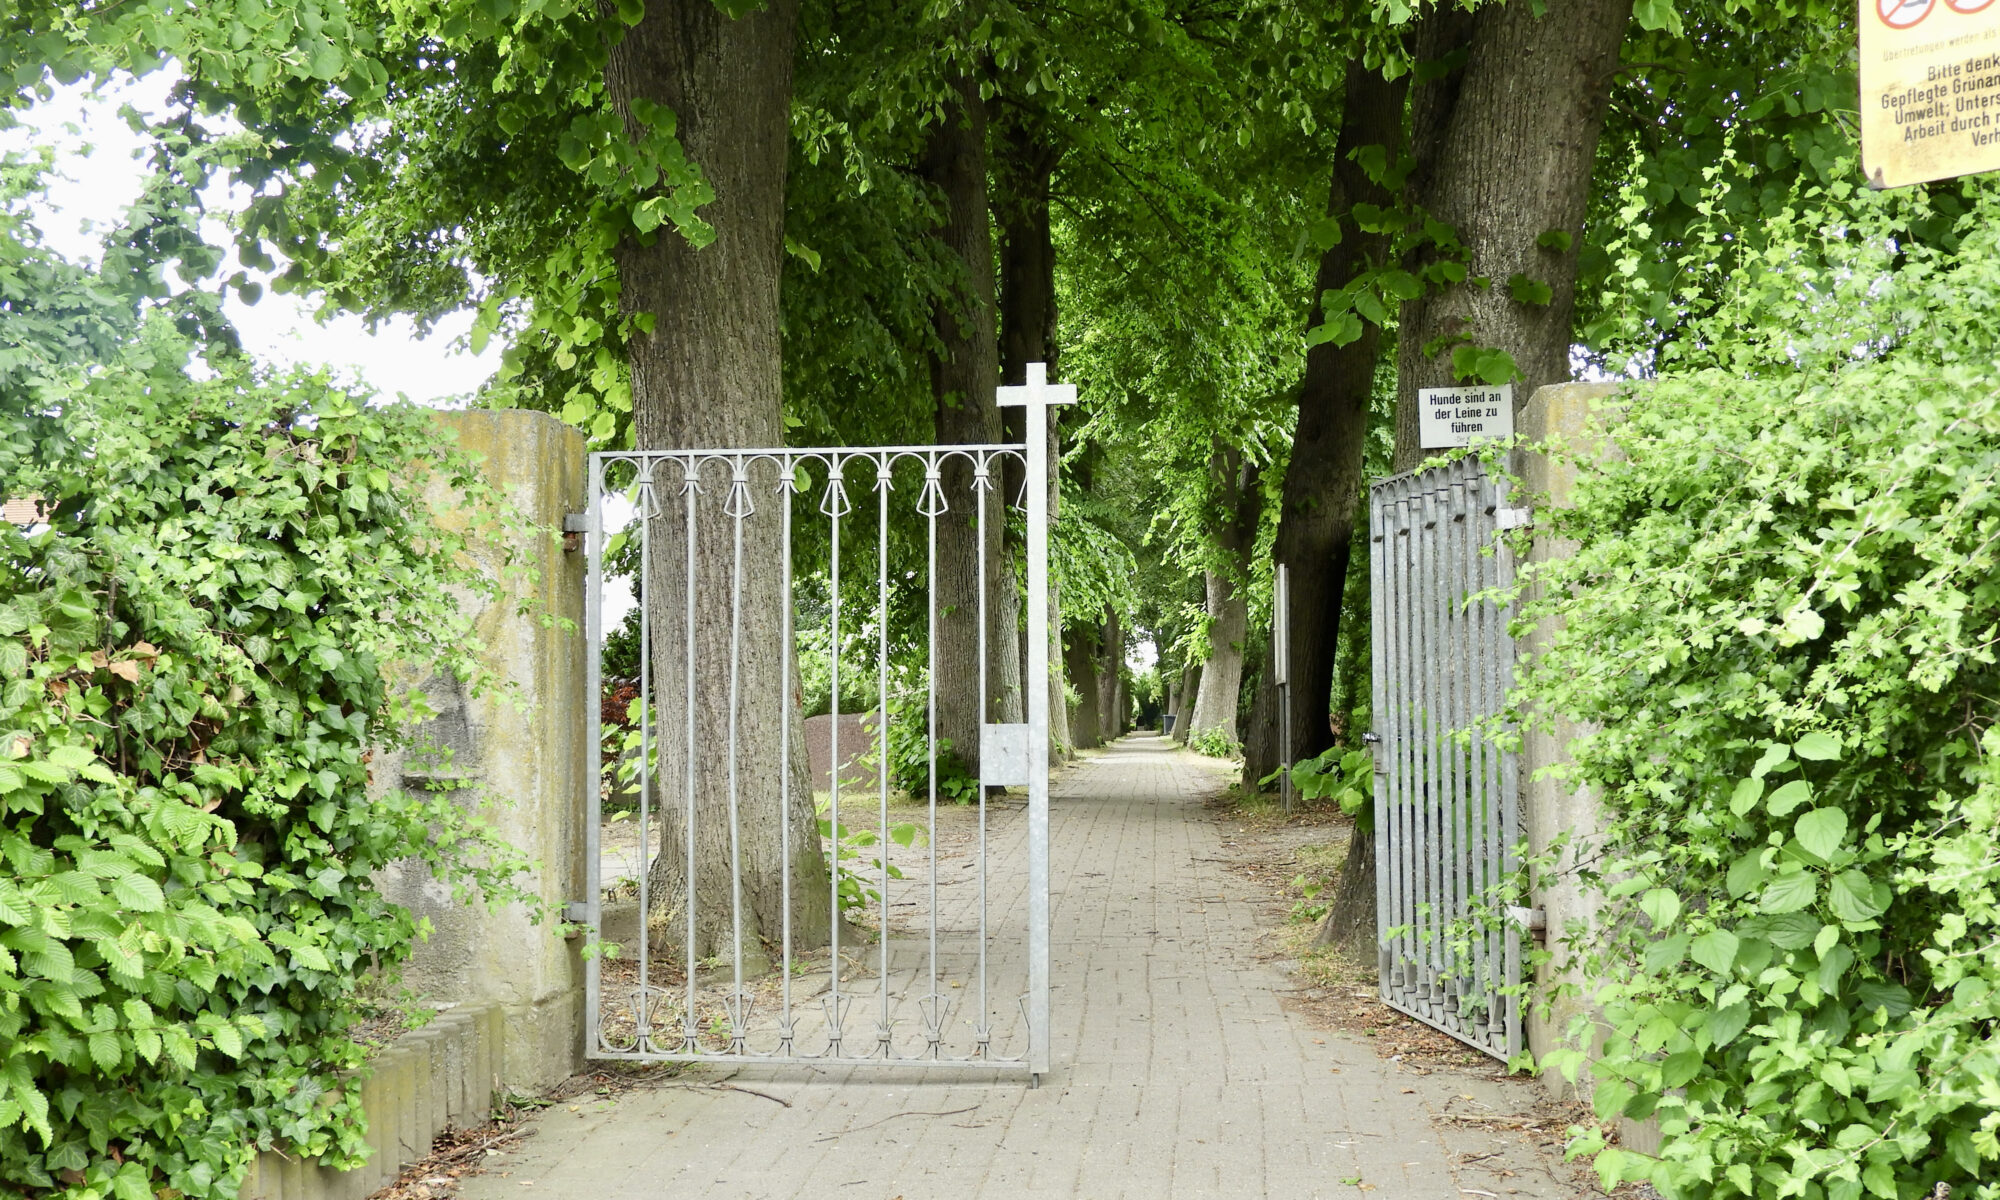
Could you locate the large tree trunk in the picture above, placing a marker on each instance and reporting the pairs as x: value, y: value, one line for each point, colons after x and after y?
x: 1190, y: 687
x: 1080, y: 658
x: 1111, y: 676
x: 1505, y: 146
x: 963, y: 375
x: 1027, y: 298
x: 1323, y: 480
x: 1216, y: 704
x: 708, y: 375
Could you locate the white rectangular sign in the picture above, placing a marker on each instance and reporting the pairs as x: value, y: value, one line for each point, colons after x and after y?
x: 1459, y: 416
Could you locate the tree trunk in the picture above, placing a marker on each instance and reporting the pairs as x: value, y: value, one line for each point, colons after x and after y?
x: 1505, y: 146
x: 1080, y: 657
x: 1190, y: 686
x: 1350, y: 919
x: 1028, y: 334
x: 963, y: 374
x: 708, y: 375
x: 1215, y: 705
x: 1110, y: 676
x: 1323, y: 482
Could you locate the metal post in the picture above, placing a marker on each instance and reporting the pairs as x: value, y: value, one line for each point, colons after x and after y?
x: 1035, y: 396
x: 1281, y: 671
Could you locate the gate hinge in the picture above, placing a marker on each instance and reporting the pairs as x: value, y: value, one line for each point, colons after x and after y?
x: 576, y: 912
x: 575, y: 525
x: 1514, y: 518
x: 1534, y: 920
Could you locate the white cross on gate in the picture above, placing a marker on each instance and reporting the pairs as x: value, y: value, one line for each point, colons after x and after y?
x: 1037, y: 389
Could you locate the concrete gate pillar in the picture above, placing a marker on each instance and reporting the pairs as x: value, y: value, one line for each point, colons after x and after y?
x: 528, y: 751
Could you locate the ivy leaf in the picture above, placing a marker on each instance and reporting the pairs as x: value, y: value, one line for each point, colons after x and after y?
x: 1821, y: 832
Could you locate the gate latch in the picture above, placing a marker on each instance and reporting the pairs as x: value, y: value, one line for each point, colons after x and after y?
x: 1534, y: 920
x: 1514, y: 518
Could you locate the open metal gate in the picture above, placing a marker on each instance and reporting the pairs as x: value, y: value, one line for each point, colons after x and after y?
x: 1446, y: 798
x: 931, y: 943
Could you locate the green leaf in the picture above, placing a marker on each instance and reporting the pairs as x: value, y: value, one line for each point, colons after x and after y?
x: 1656, y: 15
x: 1558, y: 240
x: 1715, y: 950
x: 1660, y: 906
x: 138, y: 893
x: 1789, y: 892
x: 1855, y: 899
x: 1529, y: 291
x: 1821, y: 832
x: 1726, y: 1023
x: 1745, y: 796
x: 1788, y: 797
x: 105, y: 1050
x: 1817, y: 746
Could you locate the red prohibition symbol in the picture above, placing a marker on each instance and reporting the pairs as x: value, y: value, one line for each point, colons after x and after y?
x: 1902, y: 14
x: 1967, y: 6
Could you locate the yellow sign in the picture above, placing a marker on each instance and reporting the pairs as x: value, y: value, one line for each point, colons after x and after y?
x: 1930, y: 89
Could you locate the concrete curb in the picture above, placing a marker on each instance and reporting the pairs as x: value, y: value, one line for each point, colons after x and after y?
x: 443, y: 1075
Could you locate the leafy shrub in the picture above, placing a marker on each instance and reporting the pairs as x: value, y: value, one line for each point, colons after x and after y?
x: 1215, y: 742
x: 1346, y: 777
x: 192, y: 684
x: 1782, y: 619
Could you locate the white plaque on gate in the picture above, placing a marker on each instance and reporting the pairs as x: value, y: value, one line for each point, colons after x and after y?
x: 1003, y: 755
x: 1459, y: 416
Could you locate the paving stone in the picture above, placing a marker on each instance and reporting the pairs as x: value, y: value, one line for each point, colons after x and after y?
x: 1177, y: 1073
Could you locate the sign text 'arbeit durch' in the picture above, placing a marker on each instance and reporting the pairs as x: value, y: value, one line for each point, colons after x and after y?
x: 1459, y: 416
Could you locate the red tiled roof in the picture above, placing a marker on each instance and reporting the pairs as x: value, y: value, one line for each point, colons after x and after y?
x: 25, y: 511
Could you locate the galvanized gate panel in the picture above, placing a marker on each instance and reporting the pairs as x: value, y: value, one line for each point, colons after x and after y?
x: 1446, y: 797
x: 962, y: 981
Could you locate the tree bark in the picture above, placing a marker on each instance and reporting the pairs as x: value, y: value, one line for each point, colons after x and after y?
x: 1110, y: 676
x: 1080, y: 657
x: 1323, y: 482
x: 1216, y: 704
x: 964, y: 373
x: 708, y: 375
x: 1027, y: 297
x: 1190, y: 687
x: 1505, y: 148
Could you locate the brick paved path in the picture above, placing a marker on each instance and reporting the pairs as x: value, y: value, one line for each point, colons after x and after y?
x: 1176, y: 1074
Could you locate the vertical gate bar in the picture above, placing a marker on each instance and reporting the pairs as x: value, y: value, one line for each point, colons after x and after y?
x: 1038, y: 472
x: 593, y: 736
x: 1282, y: 602
x: 739, y: 492
x: 980, y: 476
x: 832, y: 505
x: 884, y: 465
x: 1408, y: 530
x: 1393, y: 538
x: 1459, y: 665
x: 787, y: 654
x: 1442, y: 797
x: 1491, y: 699
x: 1478, y: 899
x: 1509, y: 791
x: 1378, y: 712
x: 691, y: 473
x: 648, y: 501
x: 935, y: 468
x: 1425, y: 749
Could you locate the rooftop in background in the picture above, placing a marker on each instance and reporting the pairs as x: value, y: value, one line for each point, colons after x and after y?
x: 26, y: 511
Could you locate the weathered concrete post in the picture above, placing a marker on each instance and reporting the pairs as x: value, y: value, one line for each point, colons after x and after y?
x: 1574, y: 415
x: 528, y: 751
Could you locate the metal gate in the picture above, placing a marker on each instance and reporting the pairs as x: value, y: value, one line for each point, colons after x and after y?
x: 1446, y: 798
x: 931, y: 948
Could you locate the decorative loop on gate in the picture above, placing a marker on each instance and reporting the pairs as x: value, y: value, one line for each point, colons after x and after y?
x: 982, y: 474
x: 648, y: 503
x: 932, y: 502
x: 691, y: 476
x: 788, y: 478
x: 884, y: 466
x: 739, y: 503
x: 834, y: 502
